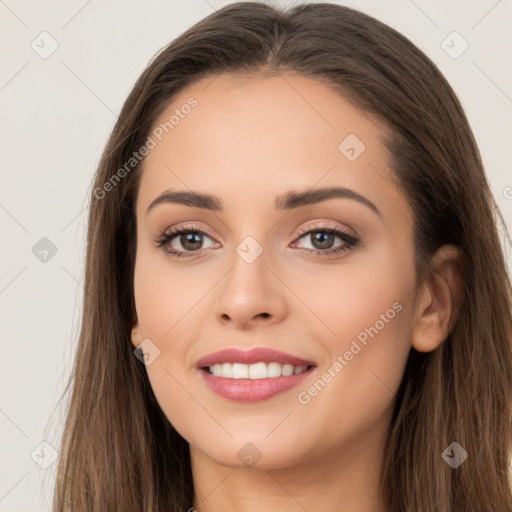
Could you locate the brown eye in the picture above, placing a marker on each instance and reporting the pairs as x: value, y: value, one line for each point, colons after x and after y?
x: 323, y: 237
x: 191, y: 241
x: 322, y: 240
x: 177, y: 242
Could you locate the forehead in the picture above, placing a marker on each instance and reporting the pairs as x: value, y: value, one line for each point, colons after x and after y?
x: 246, y: 135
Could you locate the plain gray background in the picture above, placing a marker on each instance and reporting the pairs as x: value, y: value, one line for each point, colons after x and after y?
x: 57, y: 111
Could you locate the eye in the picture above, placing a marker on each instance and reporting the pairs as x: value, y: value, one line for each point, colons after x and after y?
x: 190, y: 237
x: 322, y: 236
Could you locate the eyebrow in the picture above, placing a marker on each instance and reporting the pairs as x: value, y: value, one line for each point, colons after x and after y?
x: 287, y: 201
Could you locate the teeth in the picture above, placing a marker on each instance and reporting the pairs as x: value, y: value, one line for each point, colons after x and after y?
x: 255, y: 371
x: 227, y: 370
x: 240, y: 371
x: 287, y: 370
x: 274, y: 369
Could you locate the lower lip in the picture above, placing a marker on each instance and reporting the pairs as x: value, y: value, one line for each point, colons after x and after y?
x: 252, y: 390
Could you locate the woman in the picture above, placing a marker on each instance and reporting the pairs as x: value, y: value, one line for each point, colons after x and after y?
x: 295, y: 296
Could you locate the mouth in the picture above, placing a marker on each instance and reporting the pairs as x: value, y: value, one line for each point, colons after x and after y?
x: 254, y: 375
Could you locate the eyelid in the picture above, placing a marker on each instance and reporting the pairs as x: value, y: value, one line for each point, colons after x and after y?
x: 327, y: 225
x: 188, y: 226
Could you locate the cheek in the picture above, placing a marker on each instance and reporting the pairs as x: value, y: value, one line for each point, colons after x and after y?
x: 369, y: 330
x: 166, y: 299
x: 346, y: 299
x: 169, y: 313
x: 354, y: 390
x: 365, y: 328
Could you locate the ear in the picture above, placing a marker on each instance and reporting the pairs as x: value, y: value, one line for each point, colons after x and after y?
x: 136, y: 335
x: 437, y: 308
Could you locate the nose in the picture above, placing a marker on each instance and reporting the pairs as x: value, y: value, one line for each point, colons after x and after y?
x: 250, y: 295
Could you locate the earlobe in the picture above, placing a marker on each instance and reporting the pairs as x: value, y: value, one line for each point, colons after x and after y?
x: 438, y: 307
x: 136, y: 335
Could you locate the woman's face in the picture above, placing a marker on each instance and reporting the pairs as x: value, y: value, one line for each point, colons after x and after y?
x: 339, y: 298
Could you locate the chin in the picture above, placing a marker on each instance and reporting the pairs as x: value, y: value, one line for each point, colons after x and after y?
x: 254, y: 453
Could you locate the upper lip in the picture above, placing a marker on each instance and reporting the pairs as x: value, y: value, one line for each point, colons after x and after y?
x: 255, y: 355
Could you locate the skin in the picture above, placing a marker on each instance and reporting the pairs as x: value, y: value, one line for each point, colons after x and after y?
x: 247, y: 141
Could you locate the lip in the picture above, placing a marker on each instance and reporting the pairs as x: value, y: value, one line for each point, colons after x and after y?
x: 255, y: 355
x: 252, y: 390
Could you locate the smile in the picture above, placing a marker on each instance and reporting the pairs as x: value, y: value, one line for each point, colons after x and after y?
x: 255, y: 371
x: 252, y: 375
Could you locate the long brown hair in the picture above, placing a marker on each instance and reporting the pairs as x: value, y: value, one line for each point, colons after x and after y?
x: 120, y: 453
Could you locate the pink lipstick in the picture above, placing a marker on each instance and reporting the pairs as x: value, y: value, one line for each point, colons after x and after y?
x: 253, y: 375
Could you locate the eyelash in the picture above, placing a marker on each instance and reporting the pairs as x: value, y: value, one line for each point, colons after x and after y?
x: 351, y: 241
